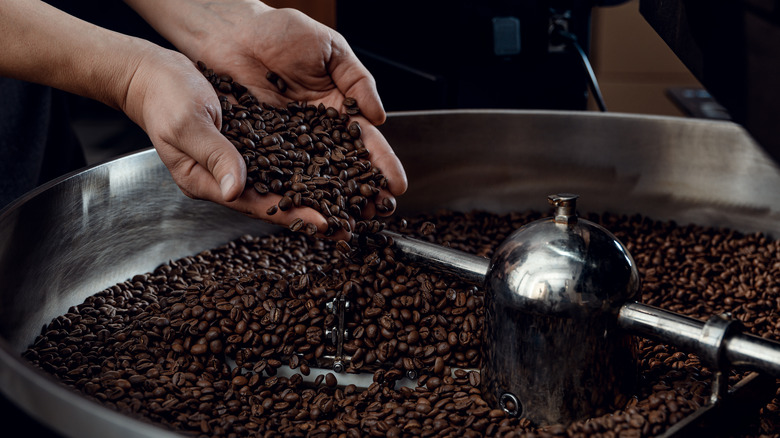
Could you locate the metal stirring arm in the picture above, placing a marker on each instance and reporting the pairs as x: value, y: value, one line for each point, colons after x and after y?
x: 467, y: 267
x: 719, y: 342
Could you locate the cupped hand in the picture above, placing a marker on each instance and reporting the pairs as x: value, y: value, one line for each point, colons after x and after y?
x: 315, y: 62
x: 179, y: 110
x: 247, y: 39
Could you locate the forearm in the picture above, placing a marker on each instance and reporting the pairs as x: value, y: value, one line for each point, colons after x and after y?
x: 45, y: 45
x: 194, y: 26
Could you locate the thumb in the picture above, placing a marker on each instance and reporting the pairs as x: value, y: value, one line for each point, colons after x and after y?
x: 205, y: 164
x: 227, y: 168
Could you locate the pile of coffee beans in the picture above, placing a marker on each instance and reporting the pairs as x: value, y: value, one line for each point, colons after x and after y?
x: 196, y: 345
x: 312, y: 156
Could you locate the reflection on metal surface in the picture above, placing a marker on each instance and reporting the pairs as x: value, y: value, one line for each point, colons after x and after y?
x: 719, y: 342
x: 558, y: 337
x: 468, y: 267
x: 687, y: 170
x: 551, y: 338
x: 510, y: 404
x: 71, y: 239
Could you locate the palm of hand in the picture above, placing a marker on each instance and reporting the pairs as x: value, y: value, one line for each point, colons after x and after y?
x: 314, y: 61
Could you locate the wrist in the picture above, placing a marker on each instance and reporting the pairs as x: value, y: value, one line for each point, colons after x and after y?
x: 52, y: 48
x: 193, y: 25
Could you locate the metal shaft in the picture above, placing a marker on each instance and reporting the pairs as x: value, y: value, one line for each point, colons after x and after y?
x: 467, y: 267
x: 718, y: 342
x: 752, y: 352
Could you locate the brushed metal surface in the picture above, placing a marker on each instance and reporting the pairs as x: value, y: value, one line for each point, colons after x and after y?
x: 468, y: 267
x: 691, y: 171
x: 731, y: 348
x: 78, y: 235
x: 75, y: 237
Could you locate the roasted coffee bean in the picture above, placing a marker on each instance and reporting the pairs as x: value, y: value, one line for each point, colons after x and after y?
x: 199, y: 349
x: 277, y: 81
x: 261, y: 188
x: 297, y: 224
x: 343, y: 246
x: 350, y: 102
x: 438, y: 366
x: 285, y: 203
x: 354, y: 130
x: 427, y: 228
x: 303, y: 148
x: 330, y: 380
x: 387, y: 205
x: 281, y: 85
x: 367, y: 191
x: 310, y: 229
x: 474, y: 379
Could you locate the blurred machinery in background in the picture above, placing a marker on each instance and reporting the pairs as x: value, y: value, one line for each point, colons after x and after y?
x: 529, y: 54
x: 467, y: 54
x: 733, y: 48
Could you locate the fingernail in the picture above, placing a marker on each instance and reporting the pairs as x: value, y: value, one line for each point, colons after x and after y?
x: 226, y: 185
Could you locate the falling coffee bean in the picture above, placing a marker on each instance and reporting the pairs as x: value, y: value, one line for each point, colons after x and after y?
x: 297, y: 224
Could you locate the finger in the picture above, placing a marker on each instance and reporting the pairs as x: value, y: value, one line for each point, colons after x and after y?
x: 383, y: 157
x: 354, y: 80
x: 204, y: 162
x: 365, y: 93
x: 369, y: 211
x: 266, y: 207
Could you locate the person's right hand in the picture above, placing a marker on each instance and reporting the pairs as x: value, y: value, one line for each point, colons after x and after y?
x: 247, y: 41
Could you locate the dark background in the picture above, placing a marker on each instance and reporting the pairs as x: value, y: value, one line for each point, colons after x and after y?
x: 445, y: 55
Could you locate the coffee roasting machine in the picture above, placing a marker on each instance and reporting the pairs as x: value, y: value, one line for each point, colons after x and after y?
x: 98, y: 227
x: 571, y: 280
x: 733, y: 48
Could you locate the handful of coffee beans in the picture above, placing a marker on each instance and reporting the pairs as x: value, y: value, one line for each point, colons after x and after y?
x: 312, y: 156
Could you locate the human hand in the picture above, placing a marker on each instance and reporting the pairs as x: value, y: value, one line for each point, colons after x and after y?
x: 159, y: 89
x: 179, y: 110
x: 247, y: 39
